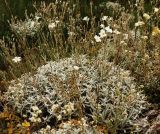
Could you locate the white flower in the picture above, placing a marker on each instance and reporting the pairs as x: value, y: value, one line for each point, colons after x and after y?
x: 69, y: 107
x: 156, y: 10
x: 48, y: 127
x: 102, y: 33
x: 122, y: 42
x: 71, y: 33
x: 34, y: 114
x: 51, y: 26
x: 155, y: 31
x: 110, y: 18
x: 54, y: 107
x: 92, y: 41
x: 76, y: 67
x: 64, y: 112
x: 102, y: 26
x: 116, y: 32
x: 125, y: 36
x: 146, y: 56
x: 39, y: 120
x: 39, y: 111
x: 139, y: 23
x: 66, y: 126
x: 34, y: 108
x: 108, y: 29
x: 144, y: 37
x: 37, y: 18
x: 32, y: 24
x: 59, y: 117
x: 53, y: 131
x: 146, y: 16
x: 24, y: 115
x: 97, y: 38
x: 57, y: 21
x: 16, y: 59
x: 86, y: 18
x: 83, y: 122
x: 32, y: 119
x: 104, y: 18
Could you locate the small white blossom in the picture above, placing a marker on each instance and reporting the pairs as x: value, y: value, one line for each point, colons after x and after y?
x: 34, y: 115
x: 108, y: 29
x: 92, y: 41
x: 139, y: 23
x: 155, y: 31
x: 53, y: 131
x: 51, y: 26
x: 102, y: 26
x: 54, y: 107
x: 66, y: 125
x: 110, y: 18
x: 59, y: 117
x: 37, y: 18
x: 69, y: 107
x: 125, y: 36
x: 24, y: 115
x: 32, y: 24
x: 64, y: 112
x: 116, y: 32
x: 102, y: 33
x: 86, y: 18
x: 104, y: 18
x: 122, y: 42
x: 71, y: 33
x: 39, y: 111
x: 39, y: 120
x: 76, y: 67
x: 34, y: 108
x: 97, y: 38
x: 146, y: 16
x: 32, y: 119
x: 57, y: 21
x: 83, y: 122
x: 144, y: 37
x: 146, y: 56
x: 156, y: 10
x: 48, y: 127
x: 16, y: 59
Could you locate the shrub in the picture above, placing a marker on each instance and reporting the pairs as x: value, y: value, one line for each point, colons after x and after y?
x: 77, y: 87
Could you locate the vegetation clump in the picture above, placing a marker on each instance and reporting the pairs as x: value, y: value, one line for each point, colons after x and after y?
x: 77, y: 87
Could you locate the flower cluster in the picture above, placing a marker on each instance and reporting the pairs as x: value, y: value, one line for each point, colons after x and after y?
x: 72, y: 126
x: 103, y: 32
x: 34, y: 114
x: 52, y: 25
x: 139, y: 23
x: 27, y: 27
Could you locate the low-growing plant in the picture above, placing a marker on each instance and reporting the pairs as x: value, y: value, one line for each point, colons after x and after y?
x: 77, y: 87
